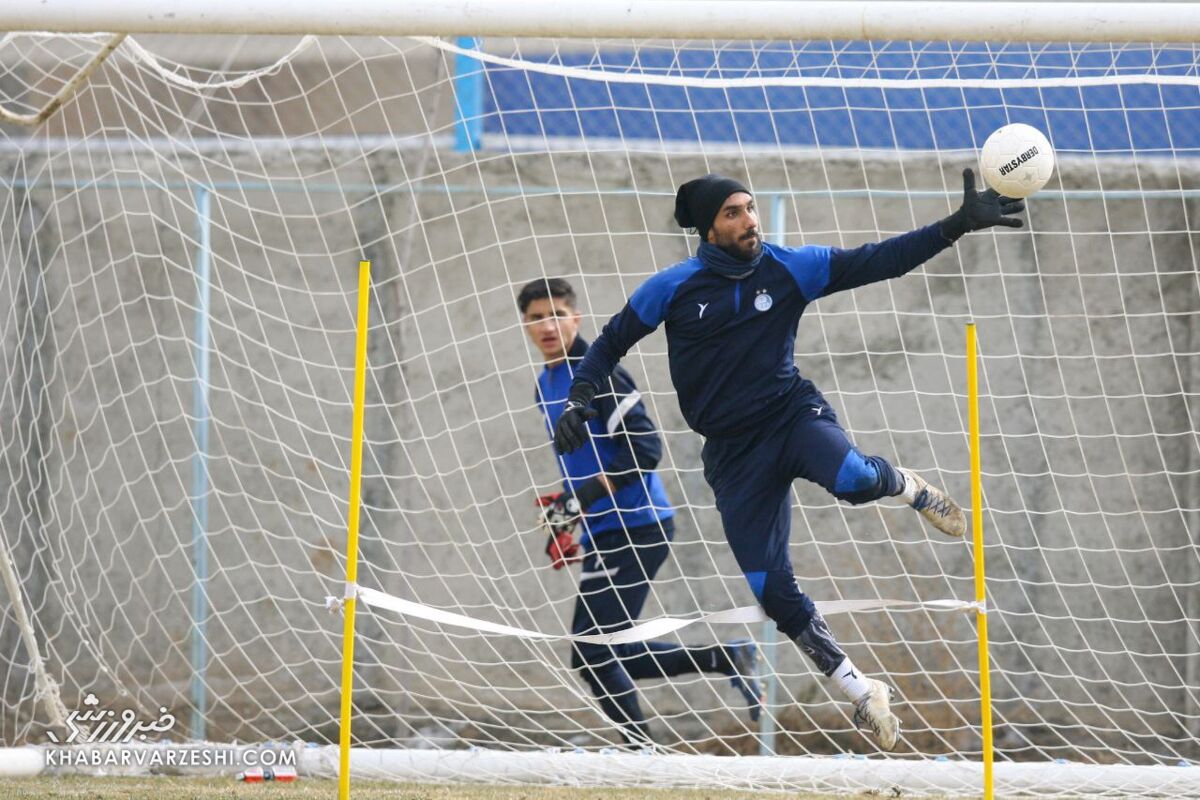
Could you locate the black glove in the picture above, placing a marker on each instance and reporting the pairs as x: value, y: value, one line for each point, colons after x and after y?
x: 980, y: 210
x: 571, y: 432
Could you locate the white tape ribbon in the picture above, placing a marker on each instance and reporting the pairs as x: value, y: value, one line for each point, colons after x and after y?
x: 650, y: 629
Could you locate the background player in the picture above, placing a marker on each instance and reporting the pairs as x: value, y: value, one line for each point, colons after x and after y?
x: 627, y: 522
x: 731, y: 314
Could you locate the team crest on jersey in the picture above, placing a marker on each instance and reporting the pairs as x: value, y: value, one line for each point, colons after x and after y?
x: 762, y: 300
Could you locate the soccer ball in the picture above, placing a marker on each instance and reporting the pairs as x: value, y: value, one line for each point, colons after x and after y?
x: 1017, y: 160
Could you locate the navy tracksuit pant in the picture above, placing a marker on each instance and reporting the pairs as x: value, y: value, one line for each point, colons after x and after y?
x: 751, y: 475
x: 613, y: 586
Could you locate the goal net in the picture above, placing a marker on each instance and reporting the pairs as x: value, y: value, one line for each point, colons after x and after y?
x: 179, y: 244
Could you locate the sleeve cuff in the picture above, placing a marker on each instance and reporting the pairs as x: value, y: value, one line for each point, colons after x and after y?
x: 590, y: 492
x: 952, y: 227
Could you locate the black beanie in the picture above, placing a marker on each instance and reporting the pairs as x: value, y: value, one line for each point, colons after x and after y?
x: 698, y: 201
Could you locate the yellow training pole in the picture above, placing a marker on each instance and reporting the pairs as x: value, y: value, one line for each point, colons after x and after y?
x: 356, y: 436
x: 985, y: 684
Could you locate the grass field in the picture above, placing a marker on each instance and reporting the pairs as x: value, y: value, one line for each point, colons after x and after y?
x: 226, y: 788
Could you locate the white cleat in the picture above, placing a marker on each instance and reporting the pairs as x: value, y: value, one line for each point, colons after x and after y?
x: 873, y: 712
x: 936, y: 506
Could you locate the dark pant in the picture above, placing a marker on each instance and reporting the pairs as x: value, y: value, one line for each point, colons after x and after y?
x: 613, y: 586
x: 751, y: 476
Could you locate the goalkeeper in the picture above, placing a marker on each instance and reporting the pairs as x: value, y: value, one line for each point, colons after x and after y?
x: 731, y: 314
x: 627, y: 524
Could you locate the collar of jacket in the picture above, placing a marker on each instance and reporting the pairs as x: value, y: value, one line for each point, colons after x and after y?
x: 575, y: 354
x: 578, y: 349
x: 720, y: 262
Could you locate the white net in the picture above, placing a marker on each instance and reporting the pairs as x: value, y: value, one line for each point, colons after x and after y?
x: 180, y: 243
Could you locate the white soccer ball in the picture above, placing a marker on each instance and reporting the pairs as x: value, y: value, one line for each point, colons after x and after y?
x: 1017, y: 160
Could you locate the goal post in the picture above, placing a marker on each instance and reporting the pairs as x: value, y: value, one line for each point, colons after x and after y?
x: 348, y: 603
x: 763, y: 20
x: 985, y: 675
x: 180, y: 322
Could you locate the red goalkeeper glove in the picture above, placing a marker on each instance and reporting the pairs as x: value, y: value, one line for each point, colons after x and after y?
x: 562, y: 549
x: 559, y: 513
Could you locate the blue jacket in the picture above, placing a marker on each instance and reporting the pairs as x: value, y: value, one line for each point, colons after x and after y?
x: 624, y: 444
x: 731, y: 342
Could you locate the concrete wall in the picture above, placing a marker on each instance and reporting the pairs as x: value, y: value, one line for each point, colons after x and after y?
x: 1090, y: 452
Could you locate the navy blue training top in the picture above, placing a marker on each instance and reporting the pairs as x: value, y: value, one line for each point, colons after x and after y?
x: 731, y: 342
x: 624, y: 442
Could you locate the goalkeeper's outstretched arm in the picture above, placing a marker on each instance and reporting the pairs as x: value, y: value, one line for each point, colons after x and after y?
x: 891, y: 258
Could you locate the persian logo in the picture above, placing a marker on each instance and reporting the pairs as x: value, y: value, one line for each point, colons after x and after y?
x: 762, y: 300
x: 111, y: 729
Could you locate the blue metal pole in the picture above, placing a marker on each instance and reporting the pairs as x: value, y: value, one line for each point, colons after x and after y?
x: 199, y: 498
x: 468, y: 96
x: 770, y: 639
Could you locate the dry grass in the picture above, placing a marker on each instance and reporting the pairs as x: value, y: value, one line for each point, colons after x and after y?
x: 226, y: 788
